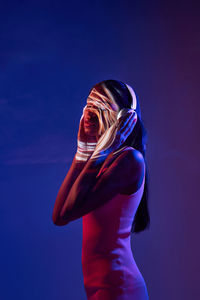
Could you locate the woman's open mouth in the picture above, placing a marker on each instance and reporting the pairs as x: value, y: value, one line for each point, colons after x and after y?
x: 89, y: 124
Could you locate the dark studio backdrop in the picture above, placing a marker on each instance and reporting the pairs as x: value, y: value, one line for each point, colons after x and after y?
x: 51, y: 54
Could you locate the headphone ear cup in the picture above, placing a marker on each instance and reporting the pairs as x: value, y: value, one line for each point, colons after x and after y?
x: 124, y: 111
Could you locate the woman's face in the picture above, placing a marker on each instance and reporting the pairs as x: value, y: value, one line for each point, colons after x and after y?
x: 99, y: 113
x: 91, y: 120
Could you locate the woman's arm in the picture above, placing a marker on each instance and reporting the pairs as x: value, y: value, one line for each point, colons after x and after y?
x: 89, y: 192
x: 73, y: 173
x: 83, y: 184
x: 79, y: 186
x: 91, y: 173
x: 84, y: 151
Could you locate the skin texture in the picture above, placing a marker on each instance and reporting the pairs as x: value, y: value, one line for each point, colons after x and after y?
x: 108, y: 171
x: 91, y: 123
x: 90, y: 184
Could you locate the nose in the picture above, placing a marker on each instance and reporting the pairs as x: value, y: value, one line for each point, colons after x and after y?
x: 90, y: 115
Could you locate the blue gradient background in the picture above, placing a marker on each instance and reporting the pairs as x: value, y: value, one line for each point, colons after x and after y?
x: 51, y: 54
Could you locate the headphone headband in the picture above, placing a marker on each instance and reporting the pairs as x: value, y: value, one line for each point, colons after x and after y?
x: 134, y: 100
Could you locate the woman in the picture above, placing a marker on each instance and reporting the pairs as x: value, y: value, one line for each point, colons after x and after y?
x: 106, y: 185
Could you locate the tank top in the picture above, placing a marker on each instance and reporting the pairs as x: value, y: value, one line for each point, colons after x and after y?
x: 108, y: 265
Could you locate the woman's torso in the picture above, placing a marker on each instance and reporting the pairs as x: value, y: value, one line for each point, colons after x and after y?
x: 107, y: 260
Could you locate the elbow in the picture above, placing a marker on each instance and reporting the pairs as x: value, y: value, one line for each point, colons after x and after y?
x: 54, y: 218
x: 57, y: 221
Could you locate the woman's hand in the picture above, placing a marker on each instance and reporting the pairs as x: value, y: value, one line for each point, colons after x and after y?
x: 125, y: 125
x: 116, y: 135
x: 84, y: 148
x: 81, y: 132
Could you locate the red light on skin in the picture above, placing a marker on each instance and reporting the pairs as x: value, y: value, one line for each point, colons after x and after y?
x: 91, y: 129
x: 90, y: 118
x: 86, y: 123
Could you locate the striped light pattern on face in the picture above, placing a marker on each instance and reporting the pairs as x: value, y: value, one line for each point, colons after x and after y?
x: 106, y: 107
x: 108, y: 111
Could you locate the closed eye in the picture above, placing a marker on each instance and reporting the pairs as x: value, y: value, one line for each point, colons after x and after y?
x: 95, y: 107
x: 89, y: 105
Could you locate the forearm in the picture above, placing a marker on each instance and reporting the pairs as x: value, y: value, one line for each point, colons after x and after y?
x: 73, y: 173
x: 85, y: 181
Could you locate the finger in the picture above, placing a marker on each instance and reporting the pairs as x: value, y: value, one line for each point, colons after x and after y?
x: 81, y: 123
x: 81, y: 127
x: 123, y: 120
x: 126, y: 121
x: 131, y: 122
x: 123, y: 112
x: 130, y: 128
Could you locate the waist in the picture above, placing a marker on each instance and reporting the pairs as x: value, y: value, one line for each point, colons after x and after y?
x: 106, y: 246
x: 104, y: 271
x: 108, y: 260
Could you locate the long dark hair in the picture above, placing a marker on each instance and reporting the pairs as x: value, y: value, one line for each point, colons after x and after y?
x: 137, y: 139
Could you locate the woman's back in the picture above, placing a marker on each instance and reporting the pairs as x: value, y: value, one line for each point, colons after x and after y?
x: 109, y: 269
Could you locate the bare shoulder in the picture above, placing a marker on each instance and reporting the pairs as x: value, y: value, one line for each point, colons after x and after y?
x: 124, y: 169
x: 132, y: 169
x: 132, y: 157
x: 134, y: 153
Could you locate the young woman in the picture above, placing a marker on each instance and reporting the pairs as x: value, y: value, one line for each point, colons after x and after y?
x: 107, y: 186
